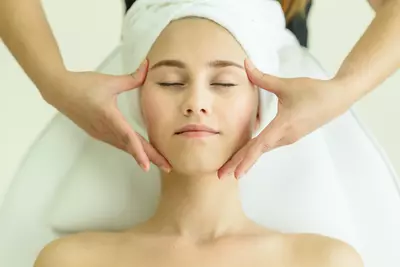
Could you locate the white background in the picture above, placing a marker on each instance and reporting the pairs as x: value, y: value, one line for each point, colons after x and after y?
x: 87, y: 30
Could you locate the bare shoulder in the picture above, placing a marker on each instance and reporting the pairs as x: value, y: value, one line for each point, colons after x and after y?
x: 77, y: 250
x: 317, y: 250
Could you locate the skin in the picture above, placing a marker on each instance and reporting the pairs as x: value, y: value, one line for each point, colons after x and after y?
x: 199, y: 220
x: 88, y: 98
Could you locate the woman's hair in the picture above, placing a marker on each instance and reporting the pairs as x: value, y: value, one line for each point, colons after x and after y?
x: 291, y: 8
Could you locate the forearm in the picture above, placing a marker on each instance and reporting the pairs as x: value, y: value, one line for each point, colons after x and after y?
x: 26, y: 33
x: 375, y: 56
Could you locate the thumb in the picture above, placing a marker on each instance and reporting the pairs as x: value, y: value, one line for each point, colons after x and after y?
x: 133, y: 80
x: 265, y: 81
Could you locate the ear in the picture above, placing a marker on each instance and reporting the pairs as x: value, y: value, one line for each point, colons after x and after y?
x: 257, y: 123
x: 258, y: 119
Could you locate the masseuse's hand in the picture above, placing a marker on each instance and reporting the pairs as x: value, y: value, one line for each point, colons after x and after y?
x: 89, y: 99
x: 304, y: 105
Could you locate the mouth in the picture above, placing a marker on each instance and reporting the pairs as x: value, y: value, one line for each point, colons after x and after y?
x: 196, y: 131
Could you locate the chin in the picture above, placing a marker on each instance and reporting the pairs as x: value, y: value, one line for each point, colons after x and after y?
x: 197, y: 163
x: 198, y: 156
x: 190, y: 169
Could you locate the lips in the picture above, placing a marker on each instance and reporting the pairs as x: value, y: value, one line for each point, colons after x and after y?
x: 199, y: 128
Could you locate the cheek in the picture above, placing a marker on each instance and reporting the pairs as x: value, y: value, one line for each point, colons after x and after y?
x: 154, y: 108
x: 241, y: 113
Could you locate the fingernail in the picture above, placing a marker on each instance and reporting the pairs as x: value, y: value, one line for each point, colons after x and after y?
x: 238, y: 176
x: 143, y: 166
x: 166, y: 169
x: 250, y: 64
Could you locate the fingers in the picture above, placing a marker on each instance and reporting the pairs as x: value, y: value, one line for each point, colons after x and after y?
x: 140, y: 74
x: 270, y: 136
x: 277, y: 134
x: 230, y: 166
x: 155, y: 156
x: 135, y: 79
x: 242, y: 161
x: 252, y: 155
x: 127, y: 138
x: 268, y: 82
x: 136, y: 145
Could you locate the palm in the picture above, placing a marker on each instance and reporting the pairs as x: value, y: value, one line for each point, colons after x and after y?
x: 304, y: 105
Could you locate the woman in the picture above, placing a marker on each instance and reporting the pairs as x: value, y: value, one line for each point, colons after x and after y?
x: 82, y: 96
x: 199, y: 220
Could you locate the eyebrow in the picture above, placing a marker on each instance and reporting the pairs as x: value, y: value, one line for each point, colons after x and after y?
x: 182, y: 65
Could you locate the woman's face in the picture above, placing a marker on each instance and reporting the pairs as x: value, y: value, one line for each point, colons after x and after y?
x: 196, y: 80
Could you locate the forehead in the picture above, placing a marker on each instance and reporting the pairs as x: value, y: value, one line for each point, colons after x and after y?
x: 196, y: 40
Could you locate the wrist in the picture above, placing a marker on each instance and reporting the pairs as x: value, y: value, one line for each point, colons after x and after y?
x: 51, y: 84
x: 351, y: 87
x: 342, y: 95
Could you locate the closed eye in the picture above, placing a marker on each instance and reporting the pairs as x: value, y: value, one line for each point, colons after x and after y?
x: 170, y: 84
x: 181, y: 84
x: 224, y: 84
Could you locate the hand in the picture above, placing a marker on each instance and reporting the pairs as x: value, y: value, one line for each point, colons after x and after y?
x: 89, y: 99
x: 304, y: 104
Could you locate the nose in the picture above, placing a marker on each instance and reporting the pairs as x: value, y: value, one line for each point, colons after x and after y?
x: 197, y: 101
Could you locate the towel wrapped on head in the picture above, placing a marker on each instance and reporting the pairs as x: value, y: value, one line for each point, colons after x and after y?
x: 336, y: 181
x: 257, y: 25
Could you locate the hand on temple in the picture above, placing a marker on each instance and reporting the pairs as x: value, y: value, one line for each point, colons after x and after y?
x: 304, y: 105
x: 89, y: 99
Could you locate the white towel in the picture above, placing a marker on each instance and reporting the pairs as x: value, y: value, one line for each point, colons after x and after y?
x: 258, y: 25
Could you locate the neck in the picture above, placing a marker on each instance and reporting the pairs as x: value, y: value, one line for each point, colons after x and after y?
x: 199, y: 207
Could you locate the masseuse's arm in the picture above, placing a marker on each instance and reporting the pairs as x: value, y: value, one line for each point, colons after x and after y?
x: 87, y: 98
x: 376, y: 55
x: 27, y: 34
x: 307, y: 104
